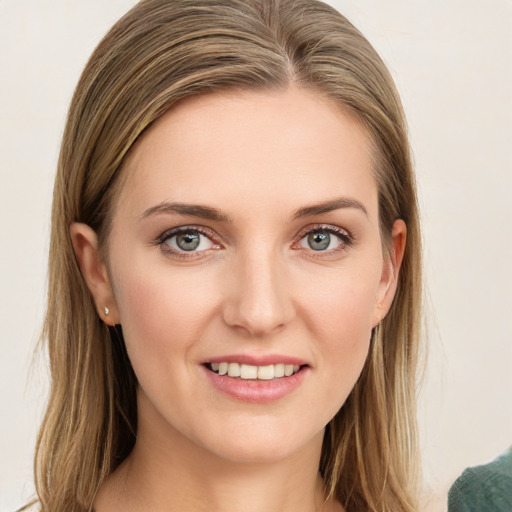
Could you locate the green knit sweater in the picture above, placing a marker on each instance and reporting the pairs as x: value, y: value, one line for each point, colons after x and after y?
x: 486, y: 488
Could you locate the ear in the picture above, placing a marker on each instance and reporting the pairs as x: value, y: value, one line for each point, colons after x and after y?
x: 94, y: 271
x: 390, y: 270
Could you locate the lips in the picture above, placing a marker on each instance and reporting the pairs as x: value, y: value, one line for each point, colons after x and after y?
x: 256, y: 379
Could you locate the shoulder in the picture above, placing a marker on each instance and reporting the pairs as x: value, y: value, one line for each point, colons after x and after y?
x: 484, y: 488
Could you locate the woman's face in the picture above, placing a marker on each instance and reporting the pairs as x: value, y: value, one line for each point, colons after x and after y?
x: 246, y: 239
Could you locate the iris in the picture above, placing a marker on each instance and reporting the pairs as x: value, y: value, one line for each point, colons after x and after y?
x: 319, y: 241
x: 188, y: 241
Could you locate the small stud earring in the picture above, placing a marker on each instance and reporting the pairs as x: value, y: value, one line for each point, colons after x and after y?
x: 107, y: 311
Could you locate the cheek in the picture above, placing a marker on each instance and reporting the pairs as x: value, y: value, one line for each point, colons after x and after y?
x: 341, y: 304
x: 340, y: 316
x: 162, y: 312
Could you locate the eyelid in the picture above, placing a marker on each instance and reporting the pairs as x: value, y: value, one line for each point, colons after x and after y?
x: 183, y: 229
x: 330, y: 228
x: 345, y: 236
x: 202, y: 230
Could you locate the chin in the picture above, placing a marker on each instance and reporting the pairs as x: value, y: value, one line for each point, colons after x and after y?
x: 262, y: 443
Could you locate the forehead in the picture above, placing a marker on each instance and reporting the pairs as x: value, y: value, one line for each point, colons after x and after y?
x: 248, y: 150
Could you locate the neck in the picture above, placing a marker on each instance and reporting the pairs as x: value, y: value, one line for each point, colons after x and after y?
x: 167, y: 471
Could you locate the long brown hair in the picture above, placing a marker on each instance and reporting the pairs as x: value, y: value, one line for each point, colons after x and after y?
x: 159, y: 53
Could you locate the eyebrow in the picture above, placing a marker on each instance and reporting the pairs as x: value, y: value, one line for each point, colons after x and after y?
x: 214, y: 214
x: 193, y: 210
x: 329, y: 206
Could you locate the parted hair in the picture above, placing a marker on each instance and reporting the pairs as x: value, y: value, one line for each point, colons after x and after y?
x: 159, y: 53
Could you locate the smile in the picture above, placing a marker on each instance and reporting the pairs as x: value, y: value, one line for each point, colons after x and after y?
x: 251, y: 372
x: 256, y: 383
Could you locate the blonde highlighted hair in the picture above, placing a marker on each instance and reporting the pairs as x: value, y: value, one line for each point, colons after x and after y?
x: 159, y: 53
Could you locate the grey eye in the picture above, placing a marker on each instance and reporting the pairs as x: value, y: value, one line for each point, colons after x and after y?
x: 185, y: 240
x: 319, y: 241
x: 188, y: 241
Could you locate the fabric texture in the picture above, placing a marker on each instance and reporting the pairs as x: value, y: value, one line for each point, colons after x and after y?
x: 486, y: 488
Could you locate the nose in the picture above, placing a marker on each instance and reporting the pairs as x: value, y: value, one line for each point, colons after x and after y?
x: 259, y: 297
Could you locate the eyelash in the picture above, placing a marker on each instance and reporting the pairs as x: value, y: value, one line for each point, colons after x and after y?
x: 167, y: 235
x: 345, y: 237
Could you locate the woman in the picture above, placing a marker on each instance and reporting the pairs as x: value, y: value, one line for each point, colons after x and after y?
x: 234, y: 288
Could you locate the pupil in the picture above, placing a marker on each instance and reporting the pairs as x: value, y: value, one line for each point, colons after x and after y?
x: 319, y: 241
x: 188, y: 241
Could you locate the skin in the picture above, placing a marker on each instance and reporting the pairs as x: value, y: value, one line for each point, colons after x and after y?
x: 254, y: 286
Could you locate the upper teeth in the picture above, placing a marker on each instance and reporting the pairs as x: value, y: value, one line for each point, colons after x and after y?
x: 248, y: 371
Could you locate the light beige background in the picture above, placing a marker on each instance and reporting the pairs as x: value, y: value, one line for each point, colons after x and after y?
x: 452, y: 60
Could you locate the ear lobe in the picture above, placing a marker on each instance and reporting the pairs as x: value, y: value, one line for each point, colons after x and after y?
x: 94, y: 271
x: 390, y: 271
